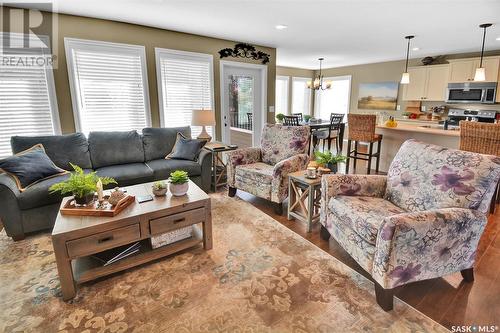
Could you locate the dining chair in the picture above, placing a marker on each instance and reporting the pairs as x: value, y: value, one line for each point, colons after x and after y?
x: 483, y: 138
x: 332, y: 132
x: 361, y: 128
x: 299, y: 114
x: 291, y: 121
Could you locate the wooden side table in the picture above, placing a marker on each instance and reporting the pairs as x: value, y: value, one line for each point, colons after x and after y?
x: 304, y: 198
x: 219, y: 167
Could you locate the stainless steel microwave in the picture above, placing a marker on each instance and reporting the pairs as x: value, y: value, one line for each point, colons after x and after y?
x: 471, y: 92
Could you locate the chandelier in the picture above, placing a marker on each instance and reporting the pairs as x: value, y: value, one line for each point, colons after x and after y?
x: 318, y: 83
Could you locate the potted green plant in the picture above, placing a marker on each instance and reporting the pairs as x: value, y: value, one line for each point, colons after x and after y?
x: 81, y: 185
x: 179, y: 182
x: 160, y: 188
x: 280, y: 117
x: 307, y: 118
x: 329, y: 160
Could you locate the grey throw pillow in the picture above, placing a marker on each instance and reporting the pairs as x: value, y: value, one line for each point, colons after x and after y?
x: 30, y: 167
x: 186, y: 149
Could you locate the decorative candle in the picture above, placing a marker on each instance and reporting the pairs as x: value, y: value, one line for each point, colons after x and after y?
x: 100, y: 196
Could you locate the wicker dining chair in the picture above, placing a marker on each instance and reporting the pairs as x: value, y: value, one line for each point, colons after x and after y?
x: 483, y: 138
x: 362, y: 129
x: 291, y: 121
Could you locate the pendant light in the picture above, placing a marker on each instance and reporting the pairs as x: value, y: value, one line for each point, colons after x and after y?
x: 405, y: 78
x: 480, y: 73
x: 317, y: 84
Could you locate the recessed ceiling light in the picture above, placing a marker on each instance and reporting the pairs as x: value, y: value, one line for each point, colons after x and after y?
x: 415, y: 49
x: 498, y: 39
x: 281, y: 27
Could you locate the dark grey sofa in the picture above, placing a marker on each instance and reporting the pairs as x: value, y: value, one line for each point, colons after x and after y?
x: 128, y: 157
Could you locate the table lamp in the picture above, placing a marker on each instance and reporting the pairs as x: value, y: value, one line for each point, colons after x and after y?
x: 203, y: 118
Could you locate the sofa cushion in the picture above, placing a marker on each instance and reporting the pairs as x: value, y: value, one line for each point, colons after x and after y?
x: 162, y: 167
x: 280, y: 142
x: 158, y: 142
x: 255, y: 178
x: 364, y: 215
x: 186, y: 149
x: 113, y: 148
x: 62, y: 149
x: 127, y: 174
x: 30, y: 167
x: 424, y: 176
x: 38, y: 195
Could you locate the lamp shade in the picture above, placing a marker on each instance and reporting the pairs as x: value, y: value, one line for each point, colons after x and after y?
x: 480, y: 74
x: 203, y: 118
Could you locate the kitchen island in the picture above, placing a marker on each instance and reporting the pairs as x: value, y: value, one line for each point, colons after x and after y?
x: 393, y: 138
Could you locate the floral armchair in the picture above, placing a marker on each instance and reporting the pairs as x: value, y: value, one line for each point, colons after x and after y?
x: 423, y: 220
x: 262, y: 171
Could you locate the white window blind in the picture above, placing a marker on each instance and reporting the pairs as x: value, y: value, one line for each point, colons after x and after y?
x: 185, y: 83
x: 27, y: 100
x: 108, y: 85
x: 301, y: 95
x: 333, y: 100
x: 281, y: 95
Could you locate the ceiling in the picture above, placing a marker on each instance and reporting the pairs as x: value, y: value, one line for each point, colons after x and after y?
x: 344, y: 32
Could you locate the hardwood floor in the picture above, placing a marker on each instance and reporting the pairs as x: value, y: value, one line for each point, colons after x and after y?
x: 449, y: 300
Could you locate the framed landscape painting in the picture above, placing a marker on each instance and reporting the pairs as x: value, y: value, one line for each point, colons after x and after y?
x: 378, y: 95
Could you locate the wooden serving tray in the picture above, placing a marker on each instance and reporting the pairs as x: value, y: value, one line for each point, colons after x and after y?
x: 93, y: 210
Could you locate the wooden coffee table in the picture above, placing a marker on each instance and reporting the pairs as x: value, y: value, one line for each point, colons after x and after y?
x: 76, y: 238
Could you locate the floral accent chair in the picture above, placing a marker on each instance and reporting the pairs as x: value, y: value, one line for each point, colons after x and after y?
x: 423, y: 220
x: 263, y: 171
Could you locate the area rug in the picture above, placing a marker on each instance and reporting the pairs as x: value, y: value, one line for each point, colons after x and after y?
x: 259, y: 277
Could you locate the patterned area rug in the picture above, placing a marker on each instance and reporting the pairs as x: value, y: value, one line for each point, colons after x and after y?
x: 259, y: 277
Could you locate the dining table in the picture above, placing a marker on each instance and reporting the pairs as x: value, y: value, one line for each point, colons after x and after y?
x: 322, y: 125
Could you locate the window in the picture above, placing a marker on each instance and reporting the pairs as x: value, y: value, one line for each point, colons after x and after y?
x: 281, y: 94
x: 333, y: 100
x: 28, y: 103
x: 109, y: 85
x: 185, y: 83
x: 301, y: 95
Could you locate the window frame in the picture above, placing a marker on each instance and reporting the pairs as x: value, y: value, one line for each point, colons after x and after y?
x: 287, y: 104
x: 305, y: 80
x: 159, y: 51
x: 96, y: 45
x: 49, y: 74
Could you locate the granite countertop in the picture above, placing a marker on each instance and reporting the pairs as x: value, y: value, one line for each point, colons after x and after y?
x: 421, y: 129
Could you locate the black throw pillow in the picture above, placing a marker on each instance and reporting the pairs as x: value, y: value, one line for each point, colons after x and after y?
x: 186, y: 149
x: 29, y: 167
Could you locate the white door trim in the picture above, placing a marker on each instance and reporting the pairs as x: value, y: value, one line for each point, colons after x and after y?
x: 263, y: 72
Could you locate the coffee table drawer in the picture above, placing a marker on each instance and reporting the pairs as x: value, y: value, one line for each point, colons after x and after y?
x: 176, y: 221
x: 103, y: 241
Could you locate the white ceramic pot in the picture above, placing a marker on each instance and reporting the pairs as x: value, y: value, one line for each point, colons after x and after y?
x: 178, y: 189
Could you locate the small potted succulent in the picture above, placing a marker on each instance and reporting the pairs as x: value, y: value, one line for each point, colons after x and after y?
x: 179, y: 183
x: 329, y: 160
x: 307, y: 118
x: 81, y: 185
x: 160, y: 188
x: 280, y: 117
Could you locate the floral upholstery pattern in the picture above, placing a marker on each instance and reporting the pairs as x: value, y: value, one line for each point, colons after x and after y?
x: 263, y: 171
x: 424, y: 176
x: 424, y: 220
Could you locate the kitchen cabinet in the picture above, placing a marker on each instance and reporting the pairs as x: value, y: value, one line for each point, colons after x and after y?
x: 427, y: 83
x: 463, y: 70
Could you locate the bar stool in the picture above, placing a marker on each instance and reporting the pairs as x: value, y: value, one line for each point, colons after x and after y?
x: 482, y: 138
x: 362, y: 129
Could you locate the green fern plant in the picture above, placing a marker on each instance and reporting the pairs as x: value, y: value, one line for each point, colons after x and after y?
x: 79, y: 183
x: 328, y: 157
x: 179, y: 177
